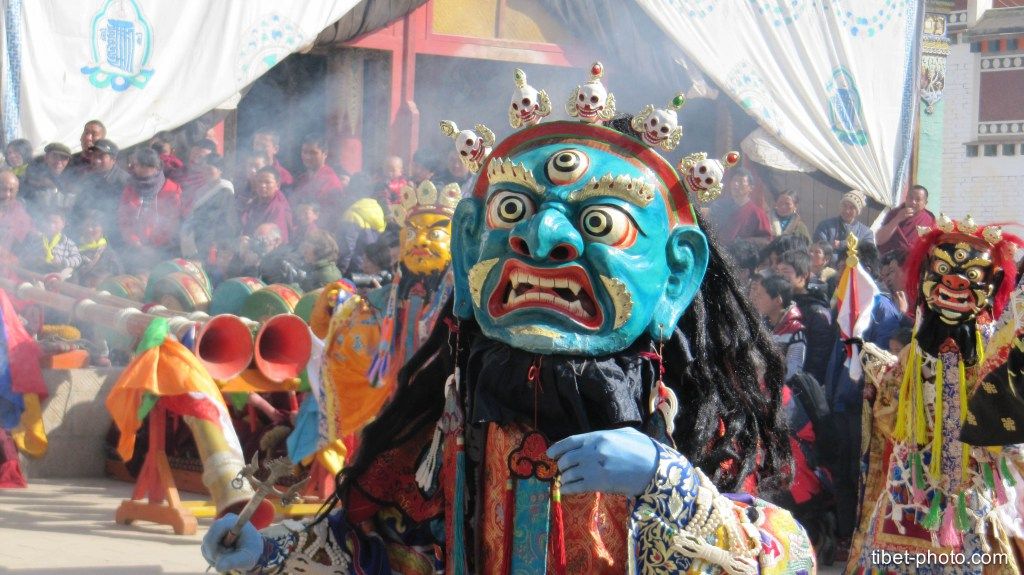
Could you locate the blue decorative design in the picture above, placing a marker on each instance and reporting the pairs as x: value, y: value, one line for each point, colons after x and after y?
x: 269, y: 40
x: 866, y: 18
x: 846, y: 117
x: 746, y: 82
x: 663, y: 510
x: 695, y: 8
x: 11, y: 70
x: 121, y: 43
x: 781, y: 13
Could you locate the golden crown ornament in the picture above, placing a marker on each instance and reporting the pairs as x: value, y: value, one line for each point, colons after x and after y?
x: 473, y: 146
x: 426, y: 199
x: 660, y: 126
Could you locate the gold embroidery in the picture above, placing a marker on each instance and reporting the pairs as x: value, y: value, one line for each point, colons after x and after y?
x: 1009, y: 424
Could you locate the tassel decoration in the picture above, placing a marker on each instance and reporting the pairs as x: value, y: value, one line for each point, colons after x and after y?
x: 948, y: 535
x: 963, y: 519
x: 1006, y: 472
x: 459, y: 512
x: 986, y: 474
x: 979, y: 346
x: 1001, y: 498
x: 932, y: 520
x: 557, y: 529
x: 903, y: 407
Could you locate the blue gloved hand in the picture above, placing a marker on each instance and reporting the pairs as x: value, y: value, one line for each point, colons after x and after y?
x: 619, y: 461
x: 245, y: 553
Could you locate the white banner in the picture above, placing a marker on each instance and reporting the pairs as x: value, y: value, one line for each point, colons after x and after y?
x: 141, y: 66
x: 835, y: 82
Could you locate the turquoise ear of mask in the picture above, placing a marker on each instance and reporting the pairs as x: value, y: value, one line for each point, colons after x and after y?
x: 655, y: 275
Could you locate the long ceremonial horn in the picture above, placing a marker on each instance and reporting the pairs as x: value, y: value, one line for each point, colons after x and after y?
x: 224, y: 345
x: 283, y: 346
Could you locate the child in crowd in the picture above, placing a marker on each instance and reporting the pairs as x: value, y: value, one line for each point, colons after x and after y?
x: 99, y: 260
x: 306, y: 217
x: 821, y: 256
x: 319, y: 252
x: 56, y: 252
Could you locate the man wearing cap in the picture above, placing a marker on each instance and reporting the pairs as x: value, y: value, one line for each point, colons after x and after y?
x: 100, y: 188
x: 835, y: 230
x: 46, y: 182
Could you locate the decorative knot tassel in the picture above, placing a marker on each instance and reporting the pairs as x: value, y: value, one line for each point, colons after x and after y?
x: 948, y: 535
x: 963, y: 518
x: 932, y: 520
x: 509, y: 527
x: 1005, y: 469
x: 557, y: 529
x: 1001, y: 497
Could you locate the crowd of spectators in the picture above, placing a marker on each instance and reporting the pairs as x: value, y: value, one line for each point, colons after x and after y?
x: 791, y: 276
x: 106, y: 211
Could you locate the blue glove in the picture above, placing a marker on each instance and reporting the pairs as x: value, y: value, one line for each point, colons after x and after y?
x: 243, y: 556
x: 619, y: 461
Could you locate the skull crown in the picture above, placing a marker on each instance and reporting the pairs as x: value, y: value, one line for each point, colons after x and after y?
x: 591, y: 102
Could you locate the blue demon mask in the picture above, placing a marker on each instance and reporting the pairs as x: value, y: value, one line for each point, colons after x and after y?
x: 577, y: 240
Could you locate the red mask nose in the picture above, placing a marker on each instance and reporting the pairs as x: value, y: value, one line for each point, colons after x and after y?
x: 958, y: 283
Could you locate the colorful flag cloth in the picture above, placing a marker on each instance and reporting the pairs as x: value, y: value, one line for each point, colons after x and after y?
x: 22, y: 387
x: 855, y: 298
x: 165, y: 370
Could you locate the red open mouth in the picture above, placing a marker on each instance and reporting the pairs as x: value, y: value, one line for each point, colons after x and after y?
x: 652, y: 137
x: 588, y: 112
x: 566, y: 290
x: 477, y: 154
x: 961, y: 301
x: 526, y: 114
x: 695, y: 183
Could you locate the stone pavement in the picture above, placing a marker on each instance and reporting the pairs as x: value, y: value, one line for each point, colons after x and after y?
x: 66, y: 526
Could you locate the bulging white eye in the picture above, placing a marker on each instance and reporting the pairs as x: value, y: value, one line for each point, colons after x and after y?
x: 507, y: 208
x: 608, y: 225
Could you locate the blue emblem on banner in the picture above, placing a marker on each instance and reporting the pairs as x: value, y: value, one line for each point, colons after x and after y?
x: 121, y: 42
x: 844, y: 111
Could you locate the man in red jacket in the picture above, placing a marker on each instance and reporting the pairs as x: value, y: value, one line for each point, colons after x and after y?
x: 319, y: 183
x: 149, y: 214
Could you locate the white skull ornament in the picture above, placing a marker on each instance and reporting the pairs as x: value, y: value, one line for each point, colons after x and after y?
x: 528, y: 105
x: 473, y: 146
x: 702, y: 176
x: 660, y: 127
x: 591, y: 102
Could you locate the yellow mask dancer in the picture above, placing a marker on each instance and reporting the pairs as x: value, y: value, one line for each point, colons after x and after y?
x: 425, y: 215
x: 426, y: 243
